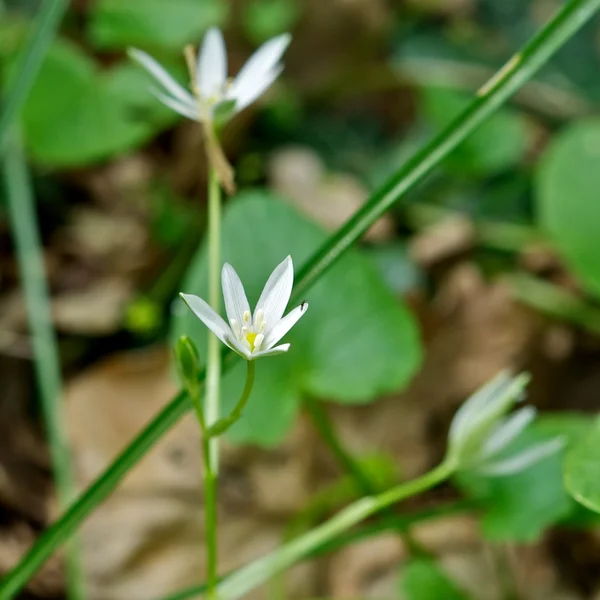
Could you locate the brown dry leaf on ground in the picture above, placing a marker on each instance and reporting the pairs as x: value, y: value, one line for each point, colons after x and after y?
x: 299, y: 175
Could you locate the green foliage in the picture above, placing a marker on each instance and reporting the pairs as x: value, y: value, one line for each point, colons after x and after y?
x: 355, y: 343
x: 171, y: 24
x: 264, y: 19
x: 76, y: 114
x: 520, y: 506
x: 423, y: 579
x: 582, y: 469
x: 568, y: 180
x: 494, y: 147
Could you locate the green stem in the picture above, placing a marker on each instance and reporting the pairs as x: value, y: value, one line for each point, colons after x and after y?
x: 323, y: 425
x: 364, y: 532
x: 29, y: 62
x: 213, y: 364
x: 222, y: 425
x: 348, y: 463
x: 255, y: 573
x: 566, y: 22
x: 210, y: 518
x: 21, y: 211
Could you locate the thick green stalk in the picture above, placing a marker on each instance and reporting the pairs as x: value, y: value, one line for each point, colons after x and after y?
x: 571, y: 17
x: 213, y: 361
x: 23, y: 219
x: 29, y: 62
x: 259, y: 571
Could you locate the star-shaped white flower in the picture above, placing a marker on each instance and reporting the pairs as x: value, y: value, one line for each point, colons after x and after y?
x: 482, y: 429
x: 249, y: 334
x: 214, y: 95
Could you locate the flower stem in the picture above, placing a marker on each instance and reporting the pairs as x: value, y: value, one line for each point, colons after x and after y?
x: 255, y: 573
x: 213, y: 364
x: 23, y: 220
x: 222, y: 425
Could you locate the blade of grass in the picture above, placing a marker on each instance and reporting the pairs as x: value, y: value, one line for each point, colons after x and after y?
x: 21, y: 212
x: 565, y: 23
x: 29, y: 62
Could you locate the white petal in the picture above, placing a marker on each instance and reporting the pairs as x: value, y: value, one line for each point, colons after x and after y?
x: 258, y: 90
x: 283, y: 326
x: 256, y: 70
x: 191, y: 112
x: 524, y: 459
x: 159, y: 73
x: 507, y: 431
x: 236, y: 303
x: 212, y: 64
x: 276, y: 293
x: 209, y: 317
x: 469, y: 410
x: 272, y: 351
x: 238, y: 347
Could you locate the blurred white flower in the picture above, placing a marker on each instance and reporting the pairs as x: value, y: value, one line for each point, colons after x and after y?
x: 252, y: 335
x: 482, y: 429
x: 215, y: 97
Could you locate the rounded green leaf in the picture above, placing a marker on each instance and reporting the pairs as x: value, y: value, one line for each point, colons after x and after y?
x: 568, y: 198
x: 168, y: 24
x: 423, y: 579
x: 582, y: 469
x: 356, y: 341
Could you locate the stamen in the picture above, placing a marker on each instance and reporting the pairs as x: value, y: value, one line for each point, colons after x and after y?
x: 258, y: 340
x: 259, y: 319
x: 246, y: 316
x: 235, y: 327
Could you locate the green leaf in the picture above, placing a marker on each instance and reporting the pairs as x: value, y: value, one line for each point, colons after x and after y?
x: 520, y: 506
x: 582, y: 469
x: 355, y: 343
x: 567, y: 184
x: 76, y: 114
x: 497, y: 145
x: 423, y: 579
x: 153, y: 23
x: 264, y: 19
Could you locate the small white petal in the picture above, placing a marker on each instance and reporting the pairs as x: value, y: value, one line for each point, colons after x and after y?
x: 191, y: 112
x: 524, y: 459
x: 212, y: 64
x: 507, y: 431
x: 272, y: 351
x: 255, y: 72
x: 259, y: 88
x: 284, y: 325
x: 236, y: 303
x: 276, y: 293
x: 472, y: 407
x: 209, y: 317
x: 161, y: 75
x: 239, y: 347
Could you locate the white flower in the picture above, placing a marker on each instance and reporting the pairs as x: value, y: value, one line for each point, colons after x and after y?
x: 214, y: 95
x: 252, y: 335
x: 481, y: 429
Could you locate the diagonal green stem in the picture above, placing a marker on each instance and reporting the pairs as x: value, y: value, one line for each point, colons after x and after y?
x: 259, y: 571
x: 21, y: 211
x: 29, y: 62
x: 566, y: 22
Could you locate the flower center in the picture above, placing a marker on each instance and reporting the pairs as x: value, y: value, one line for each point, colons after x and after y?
x: 251, y: 337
